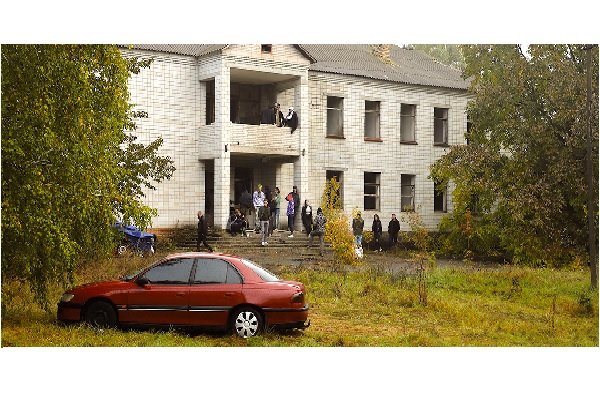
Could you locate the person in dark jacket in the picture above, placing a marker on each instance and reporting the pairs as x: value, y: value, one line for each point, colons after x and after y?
x: 393, y: 229
x: 277, y: 115
x: 377, y: 231
x: 307, y: 217
x: 245, y: 202
x: 357, y: 229
x: 202, y: 232
x: 296, y: 197
x: 263, y: 215
x: 319, y: 230
x: 291, y: 119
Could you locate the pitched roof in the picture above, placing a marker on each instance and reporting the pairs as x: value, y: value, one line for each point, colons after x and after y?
x: 406, y: 66
x: 195, y: 50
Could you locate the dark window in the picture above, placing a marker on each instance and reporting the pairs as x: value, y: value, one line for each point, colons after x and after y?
x: 407, y: 192
x: 266, y: 48
x: 261, y: 272
x: 335, y: 116
x: 407, y: 122
x: 211, y: 270
x: 210, y: 102
x: 372, y: 119
x: 371, y: 196
x: 440, y: 126
x: 439, y: 197
x: 171, y: 272
x: 339, y: 177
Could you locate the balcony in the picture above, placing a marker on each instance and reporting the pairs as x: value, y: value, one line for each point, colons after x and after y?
x: 263, y: 139
x: 267, y: 140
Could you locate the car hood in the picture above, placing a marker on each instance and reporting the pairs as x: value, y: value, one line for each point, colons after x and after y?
x: 104, y: 285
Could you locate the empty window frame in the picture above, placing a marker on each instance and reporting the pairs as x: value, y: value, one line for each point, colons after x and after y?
x: 210, y: 102
x: 408, y: 114
x: 371, y: 196
x: 335, y: 116
x: 440, y: 126
x: 439, y: 198
x: 407, y: 192
x: 266, y: 48
x: 372, y: 118
x: 339, y: 177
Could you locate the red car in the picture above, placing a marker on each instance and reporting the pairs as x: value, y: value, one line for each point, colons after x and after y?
x: 192, y: 289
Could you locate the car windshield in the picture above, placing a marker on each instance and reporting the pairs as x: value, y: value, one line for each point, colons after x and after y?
x: 263, y: 273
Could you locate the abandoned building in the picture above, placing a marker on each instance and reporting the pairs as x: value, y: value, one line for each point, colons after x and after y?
x: 373, y: 116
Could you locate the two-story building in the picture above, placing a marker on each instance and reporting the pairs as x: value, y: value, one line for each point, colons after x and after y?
x: 374, y: 116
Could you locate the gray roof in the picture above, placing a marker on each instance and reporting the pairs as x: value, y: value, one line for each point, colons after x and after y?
x: 407, y: 66
x: 195, y: 50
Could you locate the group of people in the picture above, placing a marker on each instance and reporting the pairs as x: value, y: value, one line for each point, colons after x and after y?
x: 267, y: 206
x: 358, y: 225
x: 274, y: 116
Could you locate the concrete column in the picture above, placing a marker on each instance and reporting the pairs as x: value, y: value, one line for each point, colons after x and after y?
x: 301, y: 100
x: 222, y: 178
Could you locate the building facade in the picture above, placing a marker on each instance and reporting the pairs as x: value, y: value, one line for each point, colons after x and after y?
x: 373, y: 116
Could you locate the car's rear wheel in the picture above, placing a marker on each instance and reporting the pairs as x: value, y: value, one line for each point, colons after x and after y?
x: 101, y: 314
x: 246, y: 322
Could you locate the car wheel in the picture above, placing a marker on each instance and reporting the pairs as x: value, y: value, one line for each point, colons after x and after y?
x: 100, y: 314
x: 246, y: 322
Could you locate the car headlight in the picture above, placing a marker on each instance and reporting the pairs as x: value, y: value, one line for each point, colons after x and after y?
x: 67, y: 297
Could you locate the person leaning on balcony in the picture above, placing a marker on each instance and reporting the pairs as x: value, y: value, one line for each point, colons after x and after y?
x: 277, y: 115
x: 291, y: 119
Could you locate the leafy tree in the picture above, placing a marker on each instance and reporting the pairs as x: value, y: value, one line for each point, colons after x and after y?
x: 70, y: 163
x: 520, y: 182
x: 447, y: 54
x: 337, y: 228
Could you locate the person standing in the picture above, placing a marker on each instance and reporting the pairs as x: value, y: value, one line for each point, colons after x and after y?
x: 258, y: 199
x: 307, y: 217
x: 245, y: 202
x: 377, y: 231
x: 290, y: 214
x: 393, y: 229
x: 296, y: 196
x: 263, y: 215
x: 319, y: 230
x: 202, y: 232
x: 275, y: 208
x: 277, y: 115
x: 357, y: 229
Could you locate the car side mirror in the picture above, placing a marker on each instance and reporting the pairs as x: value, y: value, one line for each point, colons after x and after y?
x: 143, y: 281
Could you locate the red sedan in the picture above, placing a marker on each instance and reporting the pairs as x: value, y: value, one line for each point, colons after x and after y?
x: 191, y: 289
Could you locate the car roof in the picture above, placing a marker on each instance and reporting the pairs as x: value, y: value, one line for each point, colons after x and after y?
x: 193, y: 254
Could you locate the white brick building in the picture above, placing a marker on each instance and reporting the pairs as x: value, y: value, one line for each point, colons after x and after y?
x: 375, y: 116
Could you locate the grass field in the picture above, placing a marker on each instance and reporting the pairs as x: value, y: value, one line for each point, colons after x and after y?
x: 466, y: 306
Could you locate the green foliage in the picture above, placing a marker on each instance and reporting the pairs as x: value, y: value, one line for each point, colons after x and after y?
x: 70, y: 166
x: 519, y: 184
x: 418, y: 235
x: 447, y: 54
x: 337, y: 228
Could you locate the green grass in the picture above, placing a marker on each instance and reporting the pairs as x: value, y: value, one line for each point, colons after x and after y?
x: 507, y: 306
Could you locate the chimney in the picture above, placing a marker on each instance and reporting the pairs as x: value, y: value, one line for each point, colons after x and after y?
x: 383, y: 52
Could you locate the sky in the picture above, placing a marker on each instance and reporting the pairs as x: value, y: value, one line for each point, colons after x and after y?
x: 473, y: 373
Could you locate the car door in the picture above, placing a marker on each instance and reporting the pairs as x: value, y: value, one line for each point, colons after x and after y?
x: 216, y: 288
x: 164, y: 299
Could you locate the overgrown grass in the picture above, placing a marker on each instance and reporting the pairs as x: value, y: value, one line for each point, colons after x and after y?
x: 363, y: 307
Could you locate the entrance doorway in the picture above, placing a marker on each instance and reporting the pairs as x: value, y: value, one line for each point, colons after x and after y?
x: 243, y: 178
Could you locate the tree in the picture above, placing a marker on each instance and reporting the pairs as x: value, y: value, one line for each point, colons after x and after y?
x: 70, y: 164
x: 520, y: 182
x: 447, y: 54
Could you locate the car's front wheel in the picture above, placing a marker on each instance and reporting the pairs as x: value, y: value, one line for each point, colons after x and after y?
x: 101, y: 314
x: 247, y: 322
